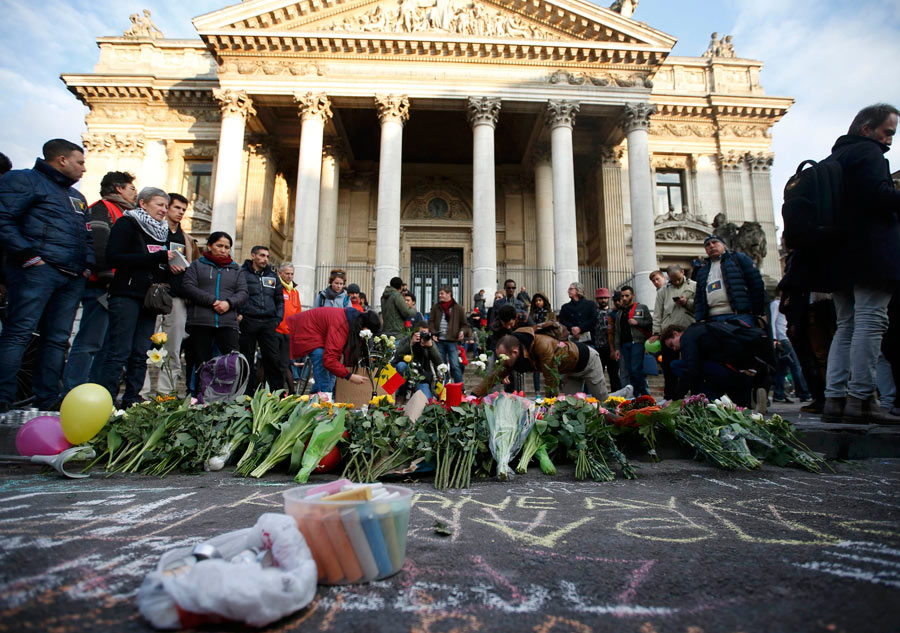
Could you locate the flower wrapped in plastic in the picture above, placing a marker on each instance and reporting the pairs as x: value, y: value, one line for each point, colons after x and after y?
x: 509, y: 420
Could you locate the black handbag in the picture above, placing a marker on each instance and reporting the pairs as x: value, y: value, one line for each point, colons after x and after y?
x: 157, y: 299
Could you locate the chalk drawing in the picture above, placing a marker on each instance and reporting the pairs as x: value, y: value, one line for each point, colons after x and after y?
x: 719, y: 508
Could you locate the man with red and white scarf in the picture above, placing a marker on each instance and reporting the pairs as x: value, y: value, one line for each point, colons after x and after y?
x: 447, y: 322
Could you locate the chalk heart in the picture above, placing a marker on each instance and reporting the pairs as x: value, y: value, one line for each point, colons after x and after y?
x: 41, y: 436
x: 84, y: 411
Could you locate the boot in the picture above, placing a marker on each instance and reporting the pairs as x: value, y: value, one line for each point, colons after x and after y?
x: 867, y: 411
x: 816, y: 406
x: 833, y: 411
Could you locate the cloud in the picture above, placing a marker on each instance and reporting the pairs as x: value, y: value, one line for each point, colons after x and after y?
x: 832, y: 58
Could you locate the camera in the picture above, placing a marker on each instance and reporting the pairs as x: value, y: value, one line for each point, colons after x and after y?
x: 424, y: 336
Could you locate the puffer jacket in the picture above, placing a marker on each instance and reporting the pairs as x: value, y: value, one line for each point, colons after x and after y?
x: 265, y: 300
x: 42, y: 215
x: 204, y: 283
x: 139, y: 259
x: 743, y: 283
x: 394, y: 312
x: 539, y: 354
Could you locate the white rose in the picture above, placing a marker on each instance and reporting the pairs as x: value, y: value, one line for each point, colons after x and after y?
x: 482, y: 358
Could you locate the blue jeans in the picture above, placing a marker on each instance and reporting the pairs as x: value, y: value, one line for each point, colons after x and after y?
x: 130, y: 329
x: 633, y: 357
x: 451, y: 356
x: 41, y: 299
x: 424, y: 387
x: 325, y: 380
x: 88, y: 343
x: 786, y: 359
x: 862, y: 320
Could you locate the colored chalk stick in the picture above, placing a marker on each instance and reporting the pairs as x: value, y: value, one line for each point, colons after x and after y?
x: 372, y: 529
x: 320, y: 545
x: 385, y: 517
x: 330, y: 488
x: 350, y: 519
x: 355, y: 494
x: 331, y: 522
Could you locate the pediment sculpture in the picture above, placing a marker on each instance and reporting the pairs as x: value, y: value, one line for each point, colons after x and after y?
x: 440, y: 16
x: 437, y: 199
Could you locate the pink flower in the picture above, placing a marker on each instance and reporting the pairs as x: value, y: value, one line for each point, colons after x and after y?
x: 561, y: 344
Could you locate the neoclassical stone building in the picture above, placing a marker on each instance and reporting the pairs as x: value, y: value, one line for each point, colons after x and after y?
x: 447, y: 141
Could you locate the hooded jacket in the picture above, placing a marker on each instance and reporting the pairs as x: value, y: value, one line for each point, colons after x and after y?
x: 42, y: 215
x: 869, y: 209
x: 204, y: 283
x: 264, y: 297
x: 394, y: 311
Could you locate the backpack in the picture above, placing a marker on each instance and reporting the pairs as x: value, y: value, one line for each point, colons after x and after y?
x: 223, y: 378
x: 553, y: 328
x: 812, y: 204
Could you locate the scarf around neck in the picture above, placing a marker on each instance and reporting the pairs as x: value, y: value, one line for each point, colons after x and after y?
x: 119, y: 200
x: 218, y: 261
x: 157, y: 229
x: 289, y: 286
x: 445, y: 306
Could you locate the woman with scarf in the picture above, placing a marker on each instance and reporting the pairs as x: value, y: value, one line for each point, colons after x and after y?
x: 539, y: 313
x: 215, y: 287
x: 334, y: 296
x: 137, y: 250
x: 447, y: 322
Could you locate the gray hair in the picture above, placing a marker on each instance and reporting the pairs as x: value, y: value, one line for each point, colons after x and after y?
x: 579, y: 288
x: 148, y: 193
x: 873, y: 116
x: 674, y: 268
x: 286, y: 265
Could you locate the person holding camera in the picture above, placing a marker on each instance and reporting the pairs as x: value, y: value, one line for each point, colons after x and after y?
x: 674, y: 306
x: 447, y: 321
x: 419, y: 352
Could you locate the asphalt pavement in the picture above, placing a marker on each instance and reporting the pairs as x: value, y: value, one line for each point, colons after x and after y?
x: 684, y: 548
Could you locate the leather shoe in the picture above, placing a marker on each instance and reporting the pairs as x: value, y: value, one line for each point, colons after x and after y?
x: 833, y: 411
x: 816, y: 406
x: 867, y: 411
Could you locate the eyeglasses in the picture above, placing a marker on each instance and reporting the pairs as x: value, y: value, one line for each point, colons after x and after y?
x: 510, y: 287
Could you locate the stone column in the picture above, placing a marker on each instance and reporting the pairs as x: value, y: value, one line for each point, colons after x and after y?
x: 328, y: 203
x: 543, y: 198
x: 635, y: 122
x: 256, y: 227
x: 155, y: 164
x: 174, y: 166
x: 560, y: 118
x: 314, y: 109
x: 236, y: 107
x: 616, y: 260
x: 764, y: 213
x: 393, y: 112
x: 731, y: 165
x: 483, y: 113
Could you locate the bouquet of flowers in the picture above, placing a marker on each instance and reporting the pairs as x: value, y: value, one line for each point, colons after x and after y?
x: 509, y: 420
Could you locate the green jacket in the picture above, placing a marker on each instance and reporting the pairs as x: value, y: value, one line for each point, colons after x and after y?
x: 667, y: 312
x: 394, y: 312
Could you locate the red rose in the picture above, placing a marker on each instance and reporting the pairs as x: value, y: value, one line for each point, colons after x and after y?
x: 483, y: 322
x: 407, y: 323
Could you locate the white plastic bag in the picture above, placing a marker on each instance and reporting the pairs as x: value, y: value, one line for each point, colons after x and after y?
x: 176, y: 596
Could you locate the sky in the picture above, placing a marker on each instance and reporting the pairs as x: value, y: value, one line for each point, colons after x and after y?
x: 832, y: 56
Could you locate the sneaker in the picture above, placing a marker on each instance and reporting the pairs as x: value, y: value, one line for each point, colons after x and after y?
x: 833, y: 411
x: 783, y: 399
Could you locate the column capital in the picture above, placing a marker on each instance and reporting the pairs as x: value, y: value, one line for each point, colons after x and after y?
x: 313, y: 105
x: 392, y: 107
x: 561, y: 113
x: 483, y: 111
x: 234, y: 102
x: 610, y: 155
x: 541, y: 153
x: 730, y: 161
x: 760, y: 161
x: 636, y: 116
x: 334, y: 147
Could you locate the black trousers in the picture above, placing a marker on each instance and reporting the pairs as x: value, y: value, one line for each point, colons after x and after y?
x: 671, y: 380
x: 611, y: 365
x: 262, y: 332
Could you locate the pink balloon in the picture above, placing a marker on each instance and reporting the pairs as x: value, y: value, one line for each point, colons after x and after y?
x: 41, y: 436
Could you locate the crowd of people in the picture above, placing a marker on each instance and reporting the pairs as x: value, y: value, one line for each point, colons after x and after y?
x: 712, y: 329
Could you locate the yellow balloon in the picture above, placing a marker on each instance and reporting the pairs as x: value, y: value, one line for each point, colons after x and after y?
x: 84, y: 411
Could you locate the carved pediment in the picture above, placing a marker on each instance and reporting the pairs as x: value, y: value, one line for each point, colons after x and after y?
x: 437, y: 199
x: 480, y: 19
x: 681, y: 228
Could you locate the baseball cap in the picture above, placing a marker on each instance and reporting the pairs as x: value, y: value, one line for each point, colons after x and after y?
x: 602, y: 293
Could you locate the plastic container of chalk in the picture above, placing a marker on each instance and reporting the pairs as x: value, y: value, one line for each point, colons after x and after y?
x: 356, y: 532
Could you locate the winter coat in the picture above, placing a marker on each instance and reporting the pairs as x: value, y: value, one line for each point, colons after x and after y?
x: 456, y: 323
x: 743, y: 283
x: 326, y: 328
x: 323, y: 300
x: 265, y: 301
x: 538, y: 354
x: 540, y: 315
x: 515, y: 302
x: 139, y: 260
x: 869, y: 209
x: 639, y: 332
x: 42, y: 215
x: 394, y: 312
x: 580, y: 314
x: 204, y: 283
x: 428, y: 358
x: 102, y: 221
x: 291, y: 307
x: 600, y: 334
x: 708, y: 342
x: 666, y: 312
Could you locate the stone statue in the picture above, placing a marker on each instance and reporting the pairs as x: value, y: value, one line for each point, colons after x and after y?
x: 719, y: 47
x: 725, y: 229
x: 713, y: 48
x: 751, y: 241
x: 625, y: 7
x: 726, y: 48
x: 142, y: 27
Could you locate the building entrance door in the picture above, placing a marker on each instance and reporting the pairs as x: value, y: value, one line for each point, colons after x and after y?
x: 432, y: 268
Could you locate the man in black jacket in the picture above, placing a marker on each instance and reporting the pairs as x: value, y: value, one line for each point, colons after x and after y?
x: 117, y: 195
x: 869, y: 212
x: 260, y: 316
x: 579, y: 314
x: 44, y: 230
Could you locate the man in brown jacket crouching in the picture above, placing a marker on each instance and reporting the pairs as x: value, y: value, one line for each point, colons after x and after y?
x: 576, y: 364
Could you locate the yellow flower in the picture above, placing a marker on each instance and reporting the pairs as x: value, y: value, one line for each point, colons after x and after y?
x: 549, y: 401
x: 304, y: 398
x: 379, y: 400
x: 613, y: 401
x: 591, y: 400
x: 159, y: 338
x: 156, y: 357
x: 407, y: 358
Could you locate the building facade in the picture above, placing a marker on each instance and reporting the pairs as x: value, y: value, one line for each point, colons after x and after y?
x: 454, y: 142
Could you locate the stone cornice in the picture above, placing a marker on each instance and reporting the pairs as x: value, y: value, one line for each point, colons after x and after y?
x: 90, y: 88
